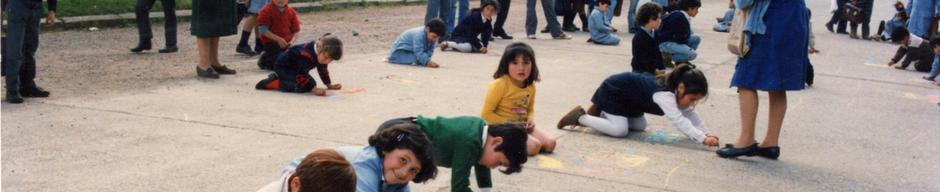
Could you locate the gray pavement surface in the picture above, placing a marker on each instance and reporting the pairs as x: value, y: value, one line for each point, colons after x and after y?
x: 861, y: 127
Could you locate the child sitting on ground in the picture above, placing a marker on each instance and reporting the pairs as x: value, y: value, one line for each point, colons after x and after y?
x: 647, y: 58
x: 324, y: 170
x: 601, y: 32
x: 466, y: 142
x: 887, y: 26
x: 622, y: 99
x: 292, y: 68
x: 677, y: 40
x: 934, y: 74
x: 724, y: 23
x: 467, y: 36
x: 278, y: 24
x: 511, y: 97
x: 416, y: 45
x: 912, y: 48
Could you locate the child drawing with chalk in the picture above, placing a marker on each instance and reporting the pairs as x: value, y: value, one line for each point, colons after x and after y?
x: 622, y: 100
x: 511, y: 97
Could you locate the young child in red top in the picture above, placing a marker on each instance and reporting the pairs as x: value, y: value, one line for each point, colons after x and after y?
x: 278, y: 23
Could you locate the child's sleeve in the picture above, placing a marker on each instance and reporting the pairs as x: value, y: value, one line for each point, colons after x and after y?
x: 483, y: 176
x: 264, y: 20
x: 494, y: 94
x: 324, y: 74
x: 597, y: 18
x: 902, y: 51
x: 697, y: 121
x: 667, y: 102
x: 530, y: 111
x: 460, y: 169
x: 422, y: 53
x: 295, y: 24
x: 487, y: 34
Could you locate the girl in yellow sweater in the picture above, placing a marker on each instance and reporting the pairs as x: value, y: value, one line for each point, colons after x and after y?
x: 511, y: 97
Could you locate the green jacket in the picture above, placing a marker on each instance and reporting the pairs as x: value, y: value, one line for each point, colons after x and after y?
x: 458, y: 144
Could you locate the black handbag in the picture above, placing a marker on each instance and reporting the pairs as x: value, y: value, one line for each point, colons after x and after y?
x: 852, y: 12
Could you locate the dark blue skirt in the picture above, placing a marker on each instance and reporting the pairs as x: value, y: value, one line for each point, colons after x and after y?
x: 778, y: 58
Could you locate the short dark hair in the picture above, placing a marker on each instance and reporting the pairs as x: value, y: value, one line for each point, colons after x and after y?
x: 327, y: 171
x: 647, y: 12
x: 688, y: 4
x: 606, y: 2
x: 436, y: 26
x: 899, y: 33
x: 484, y: 3
x: 935, y: 42
x: 332, y: 46
x: 513, y: 145
x: 686, y: 73
x: 407, y: 137
x: 509, y: 55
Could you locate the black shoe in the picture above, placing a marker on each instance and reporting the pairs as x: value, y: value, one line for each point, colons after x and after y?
x: 244, y: 49
x: 207, y: 73
x: 263, y: 84
x: 143, y: 45
x: 169, y: 49
x: 258, y: 46
x: 842, y: 32
x: 34, y: 92
x: 14, y: 98
x: 730, y: 152
x: 545, y: 30
x: 570, y: 29
x: 504, y: 36
x: 223, y: 70
x: 769, y: 152
x: 829, y: 27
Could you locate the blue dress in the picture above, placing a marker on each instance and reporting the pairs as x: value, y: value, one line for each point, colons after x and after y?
x: 777, y: 59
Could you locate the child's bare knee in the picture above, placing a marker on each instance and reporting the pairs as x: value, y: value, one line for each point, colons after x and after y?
x: 534, y: 146
x: 548, y: 145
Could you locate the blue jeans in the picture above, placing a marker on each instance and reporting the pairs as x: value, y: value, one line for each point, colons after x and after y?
x: 631, y: 15
x: 531, y: 22
x: 935, y: 68
x: 682, y: 52
x: 463, y: 10
x: 403, y: 57
x: 442, y: 9
x: 21, y: 45
x: 610, y: 11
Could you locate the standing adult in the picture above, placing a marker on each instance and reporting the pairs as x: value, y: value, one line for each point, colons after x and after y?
x: 498, y: 30
x: 441, y: 9
x: 212, y: 19
x: 776, y: 63
x: 143, y: 25
x: 922, y: 14
x: 837, y: 18
x: 21, y: 44
x: 531, y: 21
x: 867, y: 6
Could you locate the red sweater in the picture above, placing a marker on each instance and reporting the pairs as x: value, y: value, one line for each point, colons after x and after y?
x: 283, y: 24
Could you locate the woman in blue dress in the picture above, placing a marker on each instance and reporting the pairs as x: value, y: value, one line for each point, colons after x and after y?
x: 776, y: 63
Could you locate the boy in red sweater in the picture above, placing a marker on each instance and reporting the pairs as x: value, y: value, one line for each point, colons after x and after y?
x: 278, y: 23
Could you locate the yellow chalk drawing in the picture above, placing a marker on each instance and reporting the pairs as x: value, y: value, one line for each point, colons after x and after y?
x: 550, y: 163
x: 912, y: 96
x: 631, y: 161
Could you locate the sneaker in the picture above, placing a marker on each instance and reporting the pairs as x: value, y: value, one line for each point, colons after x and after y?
x: 562, y: 36
x: 532, y: 36
x: 34, y: 92
x: 571, y: 118
x: 223, y: 70
x: 207, y: 73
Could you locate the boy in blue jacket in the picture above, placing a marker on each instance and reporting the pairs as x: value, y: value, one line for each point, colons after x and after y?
x: 416, y: 45
x: 675, y: 36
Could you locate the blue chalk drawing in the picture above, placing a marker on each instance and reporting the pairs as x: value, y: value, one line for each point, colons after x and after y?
x: 662, y: 137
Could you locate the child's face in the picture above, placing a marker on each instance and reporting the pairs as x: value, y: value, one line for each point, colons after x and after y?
x: 432, y: 37
x: 520, y: 68
x: 604, y: 7
x: 688, y: 100
x: 323, y: 58
x: 936, y: 50
x: 492, y: 158
x: 280, y: 3
x: 400, y: 166
x: 693, y: 12
x: 489, y: 11
x: 654, y: 23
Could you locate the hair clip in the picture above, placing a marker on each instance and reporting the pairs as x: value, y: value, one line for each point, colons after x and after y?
x: 400, y: 137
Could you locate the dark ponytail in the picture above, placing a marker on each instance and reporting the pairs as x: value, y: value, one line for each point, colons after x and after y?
x: 693, y: 79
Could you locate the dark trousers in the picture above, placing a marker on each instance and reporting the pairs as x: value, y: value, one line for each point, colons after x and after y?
x: 269, y: 56
x: 867, y: 6
x: 300, y: 83
x: 921, y: 56
x: 22, y: 41
x: 837, y: 17
x: 578, y: 9
x: 501, y: 18
x: 143, y: 20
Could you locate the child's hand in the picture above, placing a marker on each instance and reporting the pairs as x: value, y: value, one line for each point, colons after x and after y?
x: 483, y: 50
x: 813, y: 50
x: 529, y: 126
x: 50, y: 18
x: 335, y: 86
x: 711, y: 141
x: 283, y: 44
x: 319, y: 91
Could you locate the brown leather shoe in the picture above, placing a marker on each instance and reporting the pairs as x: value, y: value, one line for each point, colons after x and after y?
x: 571, y: 118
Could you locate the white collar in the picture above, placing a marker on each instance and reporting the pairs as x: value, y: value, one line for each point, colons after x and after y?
x: 686, y: 15
x: 485, y: 130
